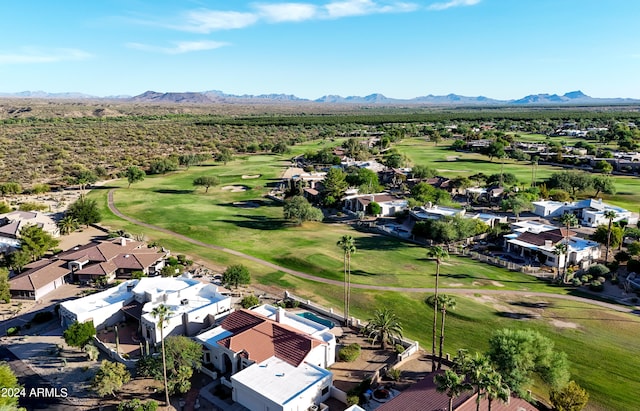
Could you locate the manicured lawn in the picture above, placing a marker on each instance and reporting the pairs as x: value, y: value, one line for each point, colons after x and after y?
x: 602, y: 356
x: 450, y: 163
x: 601, y: 345
x: 261, y: 232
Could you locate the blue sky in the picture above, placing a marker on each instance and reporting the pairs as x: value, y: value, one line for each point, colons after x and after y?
x: 400, y: 48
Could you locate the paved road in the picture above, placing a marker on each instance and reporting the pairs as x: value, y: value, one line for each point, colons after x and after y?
x: 301, y: 274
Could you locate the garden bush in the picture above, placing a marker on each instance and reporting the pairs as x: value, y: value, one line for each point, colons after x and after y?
x: 399, y: 348
x: 596, y: 286
x: 349, y: 353
x: 576, y: 282
x: 598, y: 270
x: 249, y: 301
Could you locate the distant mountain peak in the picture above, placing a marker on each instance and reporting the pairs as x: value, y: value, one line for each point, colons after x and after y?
x: 219, y: 97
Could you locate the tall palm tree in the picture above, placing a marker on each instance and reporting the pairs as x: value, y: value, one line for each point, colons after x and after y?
x: 445, y: 302
x: 162, y: 313
x: 439, y: 254
x: 451, y: 383
x: 348, y: 245
x: 496, y: 389
x: 478, y: 370
x: 568, y: 220
x: 559, y: 250
x: 610, y: 215
x: 384, y: 326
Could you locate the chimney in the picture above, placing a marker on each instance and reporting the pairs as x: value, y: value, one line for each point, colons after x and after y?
x: 280, y: 313
x: 547, y: 243
x: 123, y: 241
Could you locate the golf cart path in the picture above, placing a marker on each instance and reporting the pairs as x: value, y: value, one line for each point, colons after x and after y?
x: 301, y: 274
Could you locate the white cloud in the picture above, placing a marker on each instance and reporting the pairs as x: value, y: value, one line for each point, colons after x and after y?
x: 277, y: 13
x: 180, y: 47
x: 206, y: 21
x: 453, y: 3
x: 30, y: 55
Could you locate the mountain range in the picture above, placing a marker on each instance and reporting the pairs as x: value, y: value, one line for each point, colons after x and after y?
x: 215, y: 96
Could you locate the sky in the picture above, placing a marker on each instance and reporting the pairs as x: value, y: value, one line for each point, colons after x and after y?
x: 502, y: 49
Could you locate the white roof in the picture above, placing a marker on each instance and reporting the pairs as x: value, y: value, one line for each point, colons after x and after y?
x: 279, y: 381
x: 92, y: 302
x: 185, y: 300
x: 532, y: 227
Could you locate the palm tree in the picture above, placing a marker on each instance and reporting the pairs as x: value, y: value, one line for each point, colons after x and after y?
x: 445, y: 302
x: 568, y: 220
x: 348, y: 245
x: 610, y: 215
x: 496, y: 389
x: 67, y: 225
x: 162, y: 313
x: 451, y: 383
x: 384, y: 326
x: 439, y: 254
x: 559, y: 250
x: 478, y: 369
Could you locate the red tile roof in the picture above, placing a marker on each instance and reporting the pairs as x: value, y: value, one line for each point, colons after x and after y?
x: 423, y: 396
x: 515, y: 404
x: 555, y: 236
x: 262, y: 338
x: 39, y: 275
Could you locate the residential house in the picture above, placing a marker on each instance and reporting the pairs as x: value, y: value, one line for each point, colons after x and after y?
x: 191, y: 304
x: 536, y: 242
x: 424, y: 396
x: 590, y: 212
x: 39, y: 278
x: 435, y: 212
x: 11, y: 224
x: 277, y: 360
x: 118, y: 257
x: 389, y: 204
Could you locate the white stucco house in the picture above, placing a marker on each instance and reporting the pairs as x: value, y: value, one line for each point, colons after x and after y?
x: 536, y: 242
x: 276, y: 360
x: 190, y: 301
x: 11, y: 224
x: 590, y: 212
x: 389, y: 204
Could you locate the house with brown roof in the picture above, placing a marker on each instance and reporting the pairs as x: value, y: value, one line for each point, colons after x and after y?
x: 118, y: 257
x: 276, y: 359
x: 423, y: 396
x: 11, y: 224
x: 39, y: 278
x: 537, y: 242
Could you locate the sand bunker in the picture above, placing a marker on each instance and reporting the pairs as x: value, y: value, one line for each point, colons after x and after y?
x: 246, y: 204
x: 564, y: 324
x: 249, y: 176
x: 234, y: 189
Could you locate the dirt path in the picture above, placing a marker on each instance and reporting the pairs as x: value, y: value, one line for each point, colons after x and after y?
x: 301, y: 274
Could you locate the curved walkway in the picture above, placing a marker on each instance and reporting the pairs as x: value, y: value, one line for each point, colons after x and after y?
x: 301, y: 274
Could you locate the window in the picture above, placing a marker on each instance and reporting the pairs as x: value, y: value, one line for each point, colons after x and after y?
x: 325, y: 390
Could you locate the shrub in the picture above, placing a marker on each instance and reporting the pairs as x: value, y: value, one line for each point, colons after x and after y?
x: 394, y: 374
x: 250, y: 301
x: 399, y: 348
x: 137, y: 405
x: 352, y: 400
x: 576, y: 282
x: 349, y: 353
x: 586, y: 278
x: 598, y: 270
x: 633, y: 265
x: 13, y: 330
x: 42, y: 317
x: 596, y: 286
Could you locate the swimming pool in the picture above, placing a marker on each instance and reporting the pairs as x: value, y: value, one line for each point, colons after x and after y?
x: 315, y: 318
